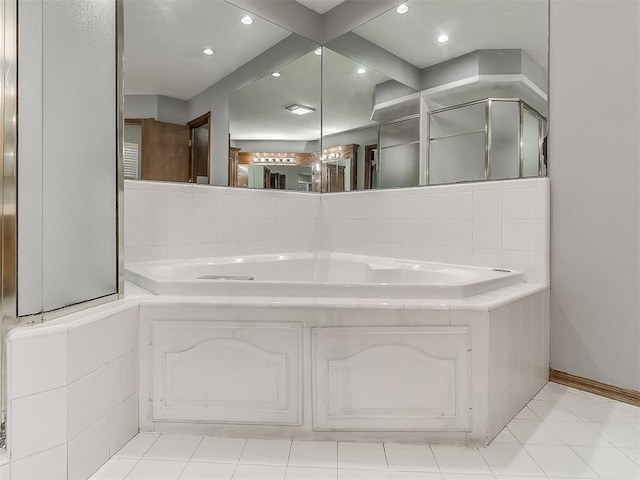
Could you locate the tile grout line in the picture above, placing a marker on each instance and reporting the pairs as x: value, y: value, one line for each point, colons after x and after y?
x: 244, y: 446
x: 141, y: 456
x: 192, y: 454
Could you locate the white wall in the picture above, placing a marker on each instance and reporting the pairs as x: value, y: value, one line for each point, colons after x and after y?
x: 594, y: 156
x: 67, y: 153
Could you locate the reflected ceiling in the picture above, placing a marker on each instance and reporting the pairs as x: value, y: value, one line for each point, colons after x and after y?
x: 471, y: 24
x: 165, y: 38
x: 320, y: 6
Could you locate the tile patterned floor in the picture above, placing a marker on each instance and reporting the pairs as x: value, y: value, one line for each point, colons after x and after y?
x: 561, y: 434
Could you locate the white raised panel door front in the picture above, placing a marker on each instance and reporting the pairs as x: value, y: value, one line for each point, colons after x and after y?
x: 227, y: 372
x: 391, y: 378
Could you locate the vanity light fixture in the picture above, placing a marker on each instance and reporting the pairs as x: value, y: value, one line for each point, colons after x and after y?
x: 300, y: 109
x: 361, y: 70
x: 247, y: 20
x: 318, y: 51
x: 402, y: 9
x: 443, y: 38
x: 276, y: 74
x: 208, y: 51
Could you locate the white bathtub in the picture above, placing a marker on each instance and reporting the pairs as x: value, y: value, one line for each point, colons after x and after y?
x: 317, y: 275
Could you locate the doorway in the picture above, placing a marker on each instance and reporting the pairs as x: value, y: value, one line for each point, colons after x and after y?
x: 200, y: 149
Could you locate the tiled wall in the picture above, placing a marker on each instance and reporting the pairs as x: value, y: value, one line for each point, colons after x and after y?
x: 175, y: 221
x: 489, y: 224
x: 72, y: 389
x: 518, y: 356
x: 492, y: 224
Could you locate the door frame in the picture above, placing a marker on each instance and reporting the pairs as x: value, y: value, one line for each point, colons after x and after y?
x: 193, y: 124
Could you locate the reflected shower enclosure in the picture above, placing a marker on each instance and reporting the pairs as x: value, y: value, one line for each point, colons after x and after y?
x: 491, y: 139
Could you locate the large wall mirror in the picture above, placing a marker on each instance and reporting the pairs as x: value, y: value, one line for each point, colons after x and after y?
x: 432, y: 92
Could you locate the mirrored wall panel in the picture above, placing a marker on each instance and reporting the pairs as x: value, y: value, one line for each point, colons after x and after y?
x: 274, y: 127
x: 182, y: 60
x: 441, y: 91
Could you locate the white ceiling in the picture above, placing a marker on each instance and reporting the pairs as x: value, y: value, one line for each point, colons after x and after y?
x: 320, y: 6
x: 164, y: 40
x: 471, y: 24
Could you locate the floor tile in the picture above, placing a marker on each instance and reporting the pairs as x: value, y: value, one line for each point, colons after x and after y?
x: 632, y: 453
x: 220, y: 450
x: 314, y: 454
x: 505, y: 436
x: 415, y: 476
x: 208, y: 471
x: 410, y: 458
x: 157, y: 470
x: 460, y: 460
x: 551, y: 410
x: 510, y: 459
x: 462, y: 476
x: 624, y: 411
x: 137, y: 446
x: 115, y: 469
x: 259, y: 472
x: 354, y: 474
x: 591, y: 412
x: 560, y: 461
x: 311, y: 473
x: 620, y: 435
x: 526, y: 414
x: 173, y: 447
x: 361, y: 456
x: 533, y: 431
x: 266, y: 452
x: 609, y: 462
x: 577, y: 433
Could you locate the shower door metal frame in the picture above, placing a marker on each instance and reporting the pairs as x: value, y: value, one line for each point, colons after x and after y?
x: 8, y: 186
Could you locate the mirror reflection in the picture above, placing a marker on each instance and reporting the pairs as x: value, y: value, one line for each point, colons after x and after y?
x: 442, y: 91
x: 274, y: 127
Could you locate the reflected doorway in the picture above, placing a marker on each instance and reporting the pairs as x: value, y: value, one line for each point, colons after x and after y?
x: 199, y: 149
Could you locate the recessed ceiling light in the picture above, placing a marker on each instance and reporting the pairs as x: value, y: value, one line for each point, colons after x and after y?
x: 404, y: 8
x: 247, y: 20
x: 318, y: 51
x: 362, y: 70
x: 444, y: 38
x: 208, y: 51
x: 275, y: 74
x: 300, y: 109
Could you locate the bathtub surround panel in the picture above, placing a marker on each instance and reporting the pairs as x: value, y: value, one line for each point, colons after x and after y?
x: 166, y: 221
x: 365, y: 378
x: 236, y: 372
x: 490, y: 224
x: 367, y: 367
x: 73, y: 399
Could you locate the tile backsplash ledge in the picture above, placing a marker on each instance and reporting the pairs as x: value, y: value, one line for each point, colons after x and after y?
x: 491, y: 224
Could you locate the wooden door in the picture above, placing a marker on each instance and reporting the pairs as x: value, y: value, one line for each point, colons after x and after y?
x: 165, y: 151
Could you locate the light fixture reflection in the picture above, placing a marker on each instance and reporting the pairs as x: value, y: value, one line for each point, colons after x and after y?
x: 247, y: 20
x: 444, y: 38
x: 402, y: 9
x: 361, y: 70
x: 318, y: 51
x: 276, y: 74
x: 208, y: 51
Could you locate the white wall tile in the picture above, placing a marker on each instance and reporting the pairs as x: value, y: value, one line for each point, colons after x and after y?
x: 459, y: 206
x: 38, y: 423
x: 89, y: 451
x: 123, y: 423
x: 519, y: 235
x: 459, y: 233
x: 153, y: 203
x: 88, y: 400
x: 522, y: 261
x: 180, y: 205
x: 123, y: 378
x: 48, y: 465
x: 152, y: 254
x: 88, y: 348
x: 38, y: 364
x: 153, y: 232
x: 180, y: 231
x: 130, y: 232
x: 130, y: 202
x: 123, y: 332
x: 519, y: 203
x: 204, y: 231
x: 179, y: 252
x: 487, y: 234
x: 204, y: 205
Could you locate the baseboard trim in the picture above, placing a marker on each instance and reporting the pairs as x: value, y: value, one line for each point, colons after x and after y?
x: 599, y: 388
